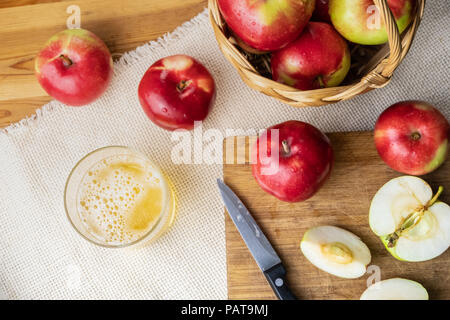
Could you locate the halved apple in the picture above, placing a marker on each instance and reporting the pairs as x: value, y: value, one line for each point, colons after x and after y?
x: 395, y: 289
x: 336, y: 251
x: 411, y: 223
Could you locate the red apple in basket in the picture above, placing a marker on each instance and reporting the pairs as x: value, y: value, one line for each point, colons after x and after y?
x: 319, y: 58
x: 75, y: 67
x: 412, y: 137
x: 266, y: 25
x: 321, y: 11
x: 292, y: 160
x: 360, y: 21
x: 176, y: 91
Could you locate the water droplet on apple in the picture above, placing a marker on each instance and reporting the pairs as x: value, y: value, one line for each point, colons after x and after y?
x: 164, y: 110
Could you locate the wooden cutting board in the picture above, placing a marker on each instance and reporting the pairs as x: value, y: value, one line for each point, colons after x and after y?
x: 344, y: 202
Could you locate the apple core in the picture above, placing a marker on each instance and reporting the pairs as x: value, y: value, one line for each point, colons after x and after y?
x: 411, y: 223
x: 408, y: 225
x: 337, y: 252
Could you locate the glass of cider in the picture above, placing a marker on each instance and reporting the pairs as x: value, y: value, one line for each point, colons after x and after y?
x: 117, y: 197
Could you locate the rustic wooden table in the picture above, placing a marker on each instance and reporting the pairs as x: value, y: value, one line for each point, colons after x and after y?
x: 25, y: 25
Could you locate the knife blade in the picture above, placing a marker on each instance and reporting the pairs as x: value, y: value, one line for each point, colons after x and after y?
x: 262, y: 251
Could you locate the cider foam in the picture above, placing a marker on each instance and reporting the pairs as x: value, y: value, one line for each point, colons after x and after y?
x: 120, y: 198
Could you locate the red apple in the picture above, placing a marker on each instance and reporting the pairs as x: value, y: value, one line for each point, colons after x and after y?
x: 266, y: 25
x: 293, y: 164
x: 245, y: 46
x: 176, y: 91
x: 412, y: 137
x: 359, y: 21
x: 321, y: 11
x: 75, y: 67
x: 318, y: 58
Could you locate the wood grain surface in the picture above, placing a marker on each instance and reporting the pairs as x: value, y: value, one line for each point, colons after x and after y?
x: 25, y: 25
x: 344, y: 202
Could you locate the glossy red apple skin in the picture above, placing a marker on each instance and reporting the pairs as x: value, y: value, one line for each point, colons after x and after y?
x: 412, y: 137
x: 266, y: 25
x: 355, y: 19
x: 176, y: 91
x: 321, y: 11
x: 318, y: 58
x: 299, y: 172
x: 74, y: 67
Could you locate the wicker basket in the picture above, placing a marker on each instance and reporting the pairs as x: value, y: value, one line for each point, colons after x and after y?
x: 375, y: 73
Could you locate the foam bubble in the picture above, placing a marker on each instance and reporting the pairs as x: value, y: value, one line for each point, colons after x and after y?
x: 120, y: 198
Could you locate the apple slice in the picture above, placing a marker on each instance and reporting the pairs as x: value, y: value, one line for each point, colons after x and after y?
x: 395, y: 289
x: 412, y: 224
x: 336, y: 251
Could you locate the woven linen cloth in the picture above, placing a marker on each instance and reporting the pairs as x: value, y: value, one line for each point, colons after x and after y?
x: 42, y: 257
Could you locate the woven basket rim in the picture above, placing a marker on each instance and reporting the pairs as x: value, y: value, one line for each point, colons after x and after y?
x: 377, y: 73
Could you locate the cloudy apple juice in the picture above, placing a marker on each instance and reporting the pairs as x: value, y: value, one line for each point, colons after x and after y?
x: 119, y: 198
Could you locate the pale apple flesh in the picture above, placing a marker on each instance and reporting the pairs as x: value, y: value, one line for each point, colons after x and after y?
x: 395, y: 289
x: 336, y: 251
x: 411, y: 223
x: 360, y: 22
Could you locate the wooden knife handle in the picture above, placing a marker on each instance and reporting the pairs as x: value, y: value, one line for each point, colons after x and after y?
x: 276, y: 278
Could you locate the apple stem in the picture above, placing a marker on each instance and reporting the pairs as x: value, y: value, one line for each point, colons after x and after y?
x: 415, y: 136
x: 286, y: 148
x: 66, y: 60
x: 321, y: 83
x: 436, y: 196
x: 183, y: 84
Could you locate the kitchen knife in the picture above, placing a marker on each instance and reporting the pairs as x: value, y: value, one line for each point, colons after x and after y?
x: 261, y: 249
